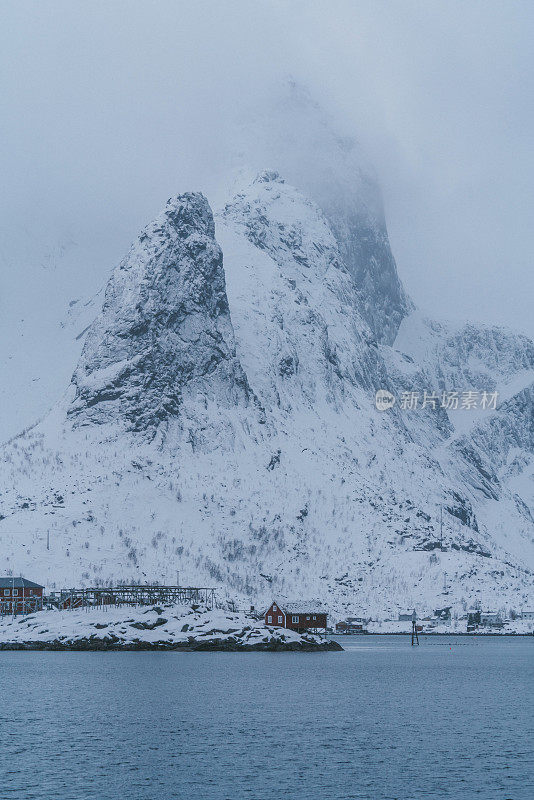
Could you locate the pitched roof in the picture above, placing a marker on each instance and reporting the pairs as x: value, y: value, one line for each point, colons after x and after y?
x: 302, y: 607
x: 18, y: 583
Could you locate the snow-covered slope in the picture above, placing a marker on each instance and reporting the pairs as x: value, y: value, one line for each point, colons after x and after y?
x: 296, y: 310
x: 51, y: 291
x: 221, y: 423
x: 497, y: 443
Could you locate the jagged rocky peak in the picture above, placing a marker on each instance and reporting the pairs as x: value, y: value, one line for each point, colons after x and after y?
x: 267, y: 176
x: 164, y: 333
x: 307, y: 335
x: 294, y: 135
x: 281, y: 221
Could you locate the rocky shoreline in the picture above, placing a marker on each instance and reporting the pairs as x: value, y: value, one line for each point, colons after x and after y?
x: 100, y: 645
x: 173, y: 628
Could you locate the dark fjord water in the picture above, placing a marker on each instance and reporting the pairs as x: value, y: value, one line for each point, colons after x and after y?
x: 450, y: 719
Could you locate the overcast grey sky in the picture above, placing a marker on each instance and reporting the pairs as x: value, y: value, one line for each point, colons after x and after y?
x: 110, y: 107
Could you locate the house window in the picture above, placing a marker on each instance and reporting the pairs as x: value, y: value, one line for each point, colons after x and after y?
x: 6, y: 592
x: 280, y: 620
x: 294, y: 618
x: 15, y: 592
x: 274, y: 608
x: 269, y: 619
x: 308, y: 619
x: 314, y: 616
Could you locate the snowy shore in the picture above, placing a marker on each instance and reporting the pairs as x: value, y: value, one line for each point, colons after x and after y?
x: 151, y: 628
x: 518, y: 627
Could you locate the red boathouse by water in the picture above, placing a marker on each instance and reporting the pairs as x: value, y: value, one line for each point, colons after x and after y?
x: 297, y: 616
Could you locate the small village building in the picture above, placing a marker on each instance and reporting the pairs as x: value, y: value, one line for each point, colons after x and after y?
x: 491, y: 619
x: 20, y: 596
x: 483, y: 619
x: 296, y: 616
x: 443, y: 614
x: 526, y: 615
x: 350, y: 625
x: 473, y: 619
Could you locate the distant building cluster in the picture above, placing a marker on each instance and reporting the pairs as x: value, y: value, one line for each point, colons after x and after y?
x: 19, y: 596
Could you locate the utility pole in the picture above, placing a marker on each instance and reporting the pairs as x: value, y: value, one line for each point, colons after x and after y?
x: 178, y: 578
x: 441, y: 527
x: 48, y: 540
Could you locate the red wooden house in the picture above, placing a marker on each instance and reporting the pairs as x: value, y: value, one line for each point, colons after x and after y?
x: 297, y: 616
x: 20, y: 596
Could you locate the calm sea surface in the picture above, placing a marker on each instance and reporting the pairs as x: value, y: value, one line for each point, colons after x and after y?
x: 453, y: 718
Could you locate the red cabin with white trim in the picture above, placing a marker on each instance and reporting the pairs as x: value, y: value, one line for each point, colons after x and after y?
x: 296, y: 616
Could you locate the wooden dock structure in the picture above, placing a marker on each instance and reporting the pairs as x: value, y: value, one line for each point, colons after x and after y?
x: 141, y: 595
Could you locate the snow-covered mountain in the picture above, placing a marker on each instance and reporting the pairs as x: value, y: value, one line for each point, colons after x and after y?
x: 164, y: 336
x: 291, y: 131
x: 221, y: 421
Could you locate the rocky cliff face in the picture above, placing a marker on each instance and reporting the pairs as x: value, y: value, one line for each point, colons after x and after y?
x: 275, y: 473
x: 433, y: 356
x: 164, y: 335
x: 480, y: 358
x: 365, y: 248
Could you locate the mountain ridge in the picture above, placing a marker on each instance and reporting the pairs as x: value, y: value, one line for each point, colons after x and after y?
x: 268, y: 467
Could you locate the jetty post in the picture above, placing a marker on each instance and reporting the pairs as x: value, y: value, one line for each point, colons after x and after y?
x: 415, y: 636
